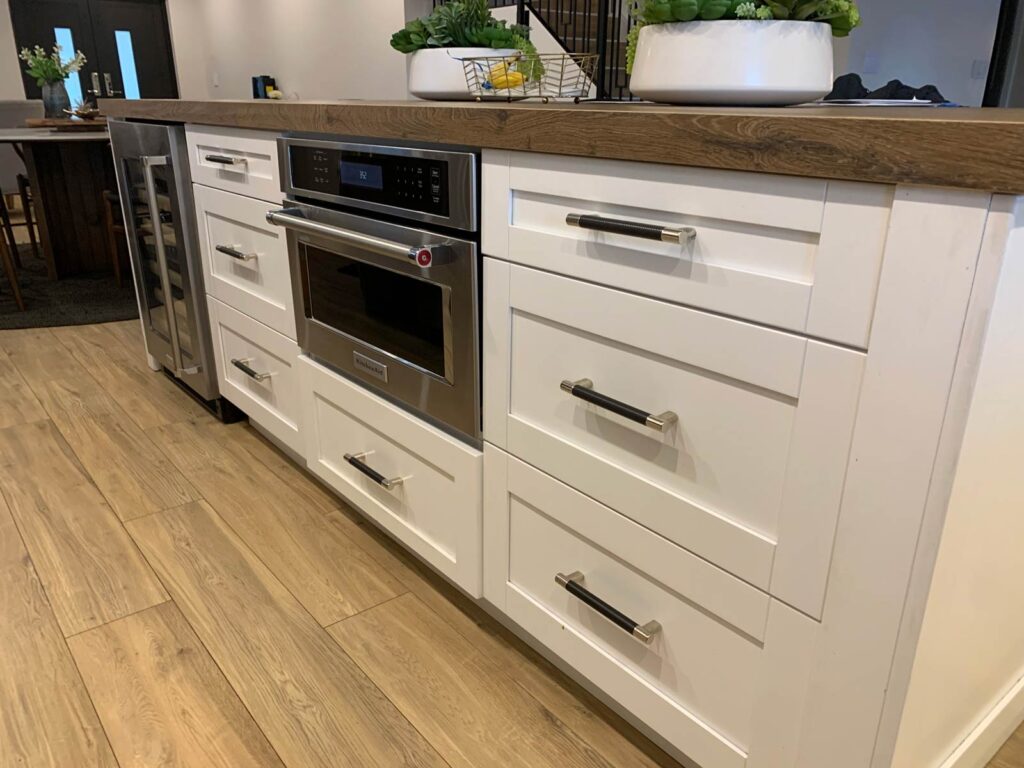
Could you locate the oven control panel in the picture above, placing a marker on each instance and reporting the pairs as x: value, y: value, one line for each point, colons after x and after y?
x: 397, y: 180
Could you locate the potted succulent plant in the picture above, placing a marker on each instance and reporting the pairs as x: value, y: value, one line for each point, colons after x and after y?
x: 457, y: 30
x: 742, y: 52
x: 50, y: 71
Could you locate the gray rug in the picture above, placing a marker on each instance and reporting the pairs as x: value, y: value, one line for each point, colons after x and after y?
x: 79, y: 300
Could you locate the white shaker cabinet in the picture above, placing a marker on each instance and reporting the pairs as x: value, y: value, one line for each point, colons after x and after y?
x: 734, y: 480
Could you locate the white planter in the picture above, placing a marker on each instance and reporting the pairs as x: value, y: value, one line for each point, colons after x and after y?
x: 439, y: 74
x: 734, y: 62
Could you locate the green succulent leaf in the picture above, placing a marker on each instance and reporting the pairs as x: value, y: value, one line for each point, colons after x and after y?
x: 685, y: 10
x: 711, y: 10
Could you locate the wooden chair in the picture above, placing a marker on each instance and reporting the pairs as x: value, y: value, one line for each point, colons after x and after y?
x: 12, y: 273
x: 24, y: 193
x: 116, y: 232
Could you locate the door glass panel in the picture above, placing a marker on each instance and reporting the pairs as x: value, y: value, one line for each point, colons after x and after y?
x: 399, y: 314
x: 142, y: 225
x: 166, y: 193
x: 72, y: 82
x: 145, y: 232
x: 126, y: 55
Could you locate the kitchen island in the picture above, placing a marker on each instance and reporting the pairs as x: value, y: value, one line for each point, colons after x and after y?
x: 967, y: 148
x: 749, y: 376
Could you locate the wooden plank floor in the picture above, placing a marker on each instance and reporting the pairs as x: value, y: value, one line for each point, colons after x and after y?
x: 175, y: 593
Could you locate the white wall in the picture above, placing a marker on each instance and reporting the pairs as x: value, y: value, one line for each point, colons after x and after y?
x: 332, y: 49
x: 936, y: 43
x: 11, y: 84
x: 316, y: 49
x: 971, y: 650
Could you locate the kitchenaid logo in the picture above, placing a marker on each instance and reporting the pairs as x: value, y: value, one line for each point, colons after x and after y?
x: 372, y: 367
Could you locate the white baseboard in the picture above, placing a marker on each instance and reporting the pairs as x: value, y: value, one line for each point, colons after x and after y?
x: 991, y: 733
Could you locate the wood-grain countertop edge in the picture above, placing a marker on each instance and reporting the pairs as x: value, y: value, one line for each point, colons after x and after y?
x: 979, y: 149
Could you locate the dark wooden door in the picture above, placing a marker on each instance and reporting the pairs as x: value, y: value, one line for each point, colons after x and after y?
x: 127, y: 44
x: 133, y: 44
x: 42, y: 22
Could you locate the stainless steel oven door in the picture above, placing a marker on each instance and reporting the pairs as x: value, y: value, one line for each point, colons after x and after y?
x: 393, y: 307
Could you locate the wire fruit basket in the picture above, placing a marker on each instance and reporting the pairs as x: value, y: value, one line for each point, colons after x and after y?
x: 543, y: 76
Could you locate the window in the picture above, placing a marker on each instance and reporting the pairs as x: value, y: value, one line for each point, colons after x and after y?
x: 126, y: 54
x: 73, y: 82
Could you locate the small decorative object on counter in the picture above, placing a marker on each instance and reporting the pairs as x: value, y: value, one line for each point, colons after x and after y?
x: 263, y: 86
x: 83, y: 111
x: 50, y: 70
x: 753, y: 52
x: 523, y: 76
x: 439, y: 44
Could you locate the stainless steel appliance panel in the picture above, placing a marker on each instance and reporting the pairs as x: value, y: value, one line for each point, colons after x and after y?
x: 151, y: 161
x: 392, y: 193
x: 394, y: 307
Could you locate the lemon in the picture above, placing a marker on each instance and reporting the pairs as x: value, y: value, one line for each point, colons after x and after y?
x: 510, y: 80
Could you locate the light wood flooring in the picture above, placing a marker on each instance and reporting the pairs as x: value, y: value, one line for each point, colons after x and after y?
x: 175, y: 592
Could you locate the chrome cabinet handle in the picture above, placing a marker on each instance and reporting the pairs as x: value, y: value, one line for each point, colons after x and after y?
x: 573, y: 584
x: 423, y: 255
x: 584, y: 390
x: 243, y: 366
x: 680, y: 235
x: 225, y: 160
x: 387, y: 483
x: 234, y: 253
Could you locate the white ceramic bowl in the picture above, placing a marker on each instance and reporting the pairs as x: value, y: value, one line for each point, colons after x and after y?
x: 439, y: 74
x: 734, y: 62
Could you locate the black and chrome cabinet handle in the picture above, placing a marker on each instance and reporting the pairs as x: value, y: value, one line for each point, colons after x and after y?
x: 583, y: 389
x: 235, y: 253
x: 225, y: 160
x: 357, y: 460
x: 644, y: 231
x: 244, y: 367
x: 573, y: 584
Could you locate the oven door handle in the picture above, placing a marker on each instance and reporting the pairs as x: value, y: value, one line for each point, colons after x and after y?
x: 291, y: 218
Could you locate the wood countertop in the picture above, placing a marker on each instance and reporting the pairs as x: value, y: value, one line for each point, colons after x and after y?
x: 966, y: 148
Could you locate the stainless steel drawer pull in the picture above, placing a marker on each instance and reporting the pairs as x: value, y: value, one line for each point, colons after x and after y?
x: 243, y: 366
x: 234, y: 253
x: 573, y: 584
x: 225, y: 160
x: 387, y: 483
x: 678, y: 235
x: 584, y: 390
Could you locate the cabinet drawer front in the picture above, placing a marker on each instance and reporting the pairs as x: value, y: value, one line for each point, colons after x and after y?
x: 748, y: 469
x: 245, y: 260
x: 246, y: 352
x: 698, y: 682
x: 800, y: 254
x: 434, y: 504
x: 235, y: 160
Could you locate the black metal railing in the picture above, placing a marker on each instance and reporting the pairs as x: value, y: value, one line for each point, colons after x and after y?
x: 586, y: 26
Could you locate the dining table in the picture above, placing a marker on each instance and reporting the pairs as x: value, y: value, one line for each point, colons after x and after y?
x: 68, y: 171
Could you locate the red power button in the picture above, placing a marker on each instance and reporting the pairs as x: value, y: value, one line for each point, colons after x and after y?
x: 424, y: 257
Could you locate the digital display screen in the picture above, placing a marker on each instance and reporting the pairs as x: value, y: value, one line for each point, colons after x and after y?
x: 396, y: 180
x: 362, y: 175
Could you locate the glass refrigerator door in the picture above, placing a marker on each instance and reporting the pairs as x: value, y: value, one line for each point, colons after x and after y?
x: 151, y: 291
x: 176, y: 259
x: 164, y: 280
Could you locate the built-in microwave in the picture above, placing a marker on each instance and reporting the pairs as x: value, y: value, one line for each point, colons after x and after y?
x: 388, y: 302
